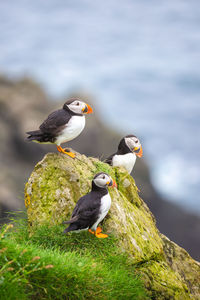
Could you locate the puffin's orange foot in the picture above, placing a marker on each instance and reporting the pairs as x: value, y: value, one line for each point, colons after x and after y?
x: 98, y: 233
x: 101, y: 235
x: 68, y: 152
x: 61, y: 150
x: 98, y: 230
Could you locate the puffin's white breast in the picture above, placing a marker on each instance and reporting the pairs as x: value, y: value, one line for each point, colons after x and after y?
x: 126, y: 160
x: 72, y: 129
x: 104, y: 208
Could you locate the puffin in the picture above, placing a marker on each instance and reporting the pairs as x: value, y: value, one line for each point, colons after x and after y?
x: 92, y: 208
x: 129, y: 148
x: 62, y: 125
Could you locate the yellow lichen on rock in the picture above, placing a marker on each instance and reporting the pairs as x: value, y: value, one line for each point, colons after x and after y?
x: 57, y: 183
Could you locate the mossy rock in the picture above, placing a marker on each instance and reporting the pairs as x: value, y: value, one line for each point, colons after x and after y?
x: 57, y: 183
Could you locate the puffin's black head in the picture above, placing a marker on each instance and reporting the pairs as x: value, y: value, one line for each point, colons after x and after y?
x: 130, y: 143
x: 103, y: 180
x: 77, y: 106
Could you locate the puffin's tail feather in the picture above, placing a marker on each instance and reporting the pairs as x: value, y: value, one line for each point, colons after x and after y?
x: 71, y: 227
x: 38, y: 136
x: 34, y: 135
x: 34, y: 132
x: 66, y: 222
x: 74, y: 219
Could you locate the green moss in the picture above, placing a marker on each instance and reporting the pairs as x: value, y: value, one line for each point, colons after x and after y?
x: 159, y: 278
x: 102, y: 167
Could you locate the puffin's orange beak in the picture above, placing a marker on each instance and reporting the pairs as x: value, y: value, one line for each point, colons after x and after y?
x: 87, y: 109
x: 112, y: 183
x: 139, y: 152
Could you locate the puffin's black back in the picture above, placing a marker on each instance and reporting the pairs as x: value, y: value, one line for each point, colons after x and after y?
x: 51, y: 127
x: 87, y: 209
x: 55, y: 120
x: 109, y: 159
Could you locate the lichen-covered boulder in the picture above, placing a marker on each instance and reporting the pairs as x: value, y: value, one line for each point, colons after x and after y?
x: 57, y: 183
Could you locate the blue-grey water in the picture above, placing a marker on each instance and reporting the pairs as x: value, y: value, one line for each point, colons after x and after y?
x: 140, y: 59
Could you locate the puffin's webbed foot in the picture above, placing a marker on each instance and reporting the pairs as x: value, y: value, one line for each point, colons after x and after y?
x: 98, y: 233
x: 101, y: 235
x: 98, y: 230
x: 66, y: 151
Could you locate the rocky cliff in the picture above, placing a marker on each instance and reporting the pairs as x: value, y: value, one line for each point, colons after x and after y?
x: 56, y: 184
x: 23, y: 106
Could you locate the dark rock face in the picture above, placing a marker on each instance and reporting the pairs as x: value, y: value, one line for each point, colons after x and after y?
x: 23, y: 106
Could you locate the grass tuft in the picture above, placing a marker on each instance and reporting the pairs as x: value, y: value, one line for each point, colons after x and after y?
x: 51, y: 265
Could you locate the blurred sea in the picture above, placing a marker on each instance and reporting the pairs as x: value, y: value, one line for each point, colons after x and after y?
x: 140, y: 59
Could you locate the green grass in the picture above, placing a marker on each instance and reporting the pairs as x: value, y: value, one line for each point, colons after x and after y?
x: 50, y: 265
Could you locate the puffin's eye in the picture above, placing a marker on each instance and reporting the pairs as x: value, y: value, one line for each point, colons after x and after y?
x: 136, y: 141
x: 77, y: 103
x: 104, y: 177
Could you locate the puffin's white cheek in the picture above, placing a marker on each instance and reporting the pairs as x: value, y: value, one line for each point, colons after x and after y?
x: 100, y: 182
x: 130, y: 144
x: 76, y: 109
x: 103, y: 182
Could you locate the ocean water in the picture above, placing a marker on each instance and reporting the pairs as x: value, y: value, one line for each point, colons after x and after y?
x: 141, y: 61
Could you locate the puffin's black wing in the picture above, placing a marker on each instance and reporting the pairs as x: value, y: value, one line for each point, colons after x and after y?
x: 85, y: 213
x: 51, y: 127
x: 55, y: 121
x: 109, y: 159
